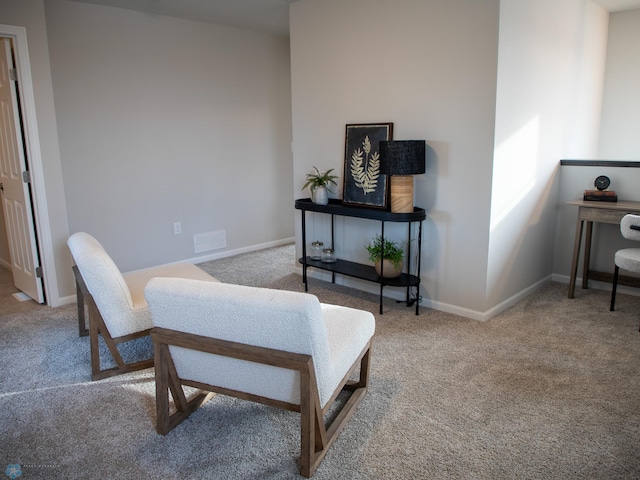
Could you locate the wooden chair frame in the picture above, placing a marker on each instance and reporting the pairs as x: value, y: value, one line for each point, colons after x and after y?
x: 81, y: 288
x: 97, y: 327
x: 315, y: 437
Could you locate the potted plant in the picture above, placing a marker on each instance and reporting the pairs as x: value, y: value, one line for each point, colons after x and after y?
x: 389, y: 254
x: 320, y: 184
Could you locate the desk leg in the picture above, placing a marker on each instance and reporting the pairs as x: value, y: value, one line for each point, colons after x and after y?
x: 587, y: 255
x: 576, y: 254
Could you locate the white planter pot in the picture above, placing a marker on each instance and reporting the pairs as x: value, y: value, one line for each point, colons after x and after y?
x: 320, y: 196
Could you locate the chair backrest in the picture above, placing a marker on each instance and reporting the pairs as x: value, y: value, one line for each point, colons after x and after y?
x: 278, y: 319
x: 626, y: 223
x: 104, y: 281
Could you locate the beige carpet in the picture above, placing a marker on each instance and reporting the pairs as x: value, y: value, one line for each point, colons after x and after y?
x: 546, y: 390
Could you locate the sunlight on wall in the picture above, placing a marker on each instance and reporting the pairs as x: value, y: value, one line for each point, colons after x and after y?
x: 514, y: 170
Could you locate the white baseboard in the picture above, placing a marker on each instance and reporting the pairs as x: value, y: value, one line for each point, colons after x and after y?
x: 606, y: 286
x: 65, y: 300
x: 510, y: 302
x: 228, y: 253
x: 238, y: 251
x: 398, y: 293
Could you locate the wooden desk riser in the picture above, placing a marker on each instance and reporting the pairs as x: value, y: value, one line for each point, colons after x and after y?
x: 597, y: 212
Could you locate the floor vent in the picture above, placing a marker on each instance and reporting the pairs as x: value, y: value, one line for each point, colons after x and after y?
x: 21, y: 296
x: 205, y: 242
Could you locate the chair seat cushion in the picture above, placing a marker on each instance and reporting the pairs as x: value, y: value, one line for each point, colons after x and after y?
x: 139, y: 317
x: 348, y: 331
x: 628, y: 259
x: 136, y: 281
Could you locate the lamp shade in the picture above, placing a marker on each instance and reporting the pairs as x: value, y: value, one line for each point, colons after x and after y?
x: 402, y: 157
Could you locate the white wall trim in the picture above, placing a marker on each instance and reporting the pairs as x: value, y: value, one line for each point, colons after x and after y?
x: 214, y: 256
x: 238, y: 251
x: 514, y: 299
x: 400, y: 294
x: 34, y: 154
x: 594, y: 284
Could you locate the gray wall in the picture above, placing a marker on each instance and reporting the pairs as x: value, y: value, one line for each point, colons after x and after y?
x: 430, y: 68
x: 550, y: 77
x: 164, y: 120
x: 619, y: 138
x: 160, y: 121
x: 435, y: 77
x: 471, y: 78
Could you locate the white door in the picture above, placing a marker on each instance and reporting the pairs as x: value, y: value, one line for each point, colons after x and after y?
x: 14, y: 186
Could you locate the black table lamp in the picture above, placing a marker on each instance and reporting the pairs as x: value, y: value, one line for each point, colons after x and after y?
x: 401, y: 159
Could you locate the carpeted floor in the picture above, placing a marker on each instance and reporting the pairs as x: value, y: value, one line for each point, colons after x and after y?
x: 546, y: 390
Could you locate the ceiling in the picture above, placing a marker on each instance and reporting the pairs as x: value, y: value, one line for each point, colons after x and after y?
x: 618, y: 5
x: 270, y: 16
x: 264, y: 15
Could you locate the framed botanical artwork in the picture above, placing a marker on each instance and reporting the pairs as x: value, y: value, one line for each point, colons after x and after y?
x: 364, y: 185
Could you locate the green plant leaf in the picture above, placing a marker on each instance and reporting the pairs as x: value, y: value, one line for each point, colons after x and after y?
x: 391, y: 252
x: 317, y: 179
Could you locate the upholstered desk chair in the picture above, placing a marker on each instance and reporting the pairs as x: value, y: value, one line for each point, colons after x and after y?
x: 276, y: 347
x: 117, y: 308
x: 628, y: 258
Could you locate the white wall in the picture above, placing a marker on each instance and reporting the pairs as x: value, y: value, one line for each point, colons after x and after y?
x: 619, y: 138
x: 164, y: 120
x: 430, y: 68
x: 550, y: 76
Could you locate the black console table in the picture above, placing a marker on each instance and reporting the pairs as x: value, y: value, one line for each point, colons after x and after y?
x: 356, y: 270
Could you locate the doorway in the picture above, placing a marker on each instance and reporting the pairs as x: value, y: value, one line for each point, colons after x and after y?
x: 35, y: 202
x: 15, y: 180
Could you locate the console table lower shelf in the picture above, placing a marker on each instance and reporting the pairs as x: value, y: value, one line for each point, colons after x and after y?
x: 363, y: 272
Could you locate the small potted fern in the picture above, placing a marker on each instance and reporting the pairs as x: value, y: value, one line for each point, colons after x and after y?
x: 320, y: 185
x: 388, y: 254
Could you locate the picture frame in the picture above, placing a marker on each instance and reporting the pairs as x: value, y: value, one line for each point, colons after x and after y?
x: 364, y: 185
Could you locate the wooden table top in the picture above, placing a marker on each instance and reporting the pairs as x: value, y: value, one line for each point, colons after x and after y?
x: 620, y: 205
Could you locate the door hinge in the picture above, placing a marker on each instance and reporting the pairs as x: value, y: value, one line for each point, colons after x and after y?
x: 13, y: 74
x: 39, y: 272
x: 26, y: 176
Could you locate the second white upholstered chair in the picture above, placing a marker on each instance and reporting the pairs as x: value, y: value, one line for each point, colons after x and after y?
x: 117, y: 308
x: 628, y: 258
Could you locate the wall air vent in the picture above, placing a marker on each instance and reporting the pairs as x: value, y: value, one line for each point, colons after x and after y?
x: 205, y: 242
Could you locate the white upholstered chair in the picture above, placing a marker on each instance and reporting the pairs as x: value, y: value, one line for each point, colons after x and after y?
x: 628, y: 258
x: 276, y: 347
x: 117, y: 308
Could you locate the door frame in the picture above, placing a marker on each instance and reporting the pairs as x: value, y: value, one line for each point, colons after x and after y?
x: 34, y: 157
